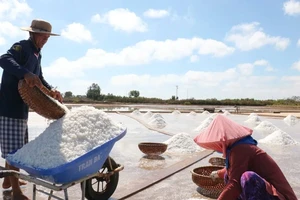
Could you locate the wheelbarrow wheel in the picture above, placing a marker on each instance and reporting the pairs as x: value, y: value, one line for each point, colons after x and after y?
x: 98, y: 187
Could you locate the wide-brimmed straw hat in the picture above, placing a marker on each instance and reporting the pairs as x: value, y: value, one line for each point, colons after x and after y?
x: 40, y: 26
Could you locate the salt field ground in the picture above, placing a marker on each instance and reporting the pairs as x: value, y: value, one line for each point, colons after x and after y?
x: 279, y: 136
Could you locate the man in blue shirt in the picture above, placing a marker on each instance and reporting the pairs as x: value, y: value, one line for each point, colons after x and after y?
x: 22, y: 61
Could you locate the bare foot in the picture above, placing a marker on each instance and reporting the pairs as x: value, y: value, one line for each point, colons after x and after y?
x: 6, y: 183
x: 20, y: 196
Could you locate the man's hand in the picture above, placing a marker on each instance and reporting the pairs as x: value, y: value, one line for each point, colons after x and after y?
x: 214, y: 175
x: 56, y: 95
x: 32, y: 80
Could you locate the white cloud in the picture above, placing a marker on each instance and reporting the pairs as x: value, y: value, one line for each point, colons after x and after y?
x: 77, y: 32
x: 141, y: 53
x: 194, y: 58
x: 296, y: 65
x: 298, y: 43
x: 9, y: 31
x: 152, y: 13
x: 121, y: 19
x: 291, y: 7
x: 251, y: 36
x: 246, y: 69
x: 13, y: 9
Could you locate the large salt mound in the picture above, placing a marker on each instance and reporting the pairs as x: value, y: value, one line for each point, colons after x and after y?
x: 79, y: 131
x: 176, y: 112
x: 254, y: 120
x: 266, y: 127
x: 136, y: 113
x: 291, y: 120
x: 252, y: 114
x: 192, y: 113
x: 204, y: 124
x: 278, y: 137
x: 226, y: 113
x: 157, y: 121
x: 206, y: 112
x: 148, y: 114
x: 182, y: 143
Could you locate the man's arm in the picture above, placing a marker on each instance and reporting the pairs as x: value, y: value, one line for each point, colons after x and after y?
x: 10, y: 62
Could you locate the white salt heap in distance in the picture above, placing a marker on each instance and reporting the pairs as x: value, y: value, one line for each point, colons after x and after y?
x: 278, y: 137
x: 182, y: 143
x: 253, y: 120
x: 204, y: 124
x: 252, y: 114
x: 226, y: 113
x: 148, y: 114
x: 136, y: 113
x: 79, y: 131
x: 192, y: 113
x: 291, y: 120
x: 266, y: 127
x: 176, y: 112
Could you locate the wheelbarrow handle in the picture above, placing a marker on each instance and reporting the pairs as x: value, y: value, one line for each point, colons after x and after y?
x: 5, y: 173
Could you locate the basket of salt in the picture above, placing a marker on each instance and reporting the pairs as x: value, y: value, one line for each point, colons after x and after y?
x: 40, y: 101
x: 217, y: 161
x: 207, y: 186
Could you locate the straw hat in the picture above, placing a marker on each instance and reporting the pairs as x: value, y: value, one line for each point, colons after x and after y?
x: 40, y: 26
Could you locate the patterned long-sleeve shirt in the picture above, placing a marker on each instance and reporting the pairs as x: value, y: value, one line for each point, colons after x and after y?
x: 21, y: 58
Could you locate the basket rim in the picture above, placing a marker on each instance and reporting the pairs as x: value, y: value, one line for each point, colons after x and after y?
x: 152, y: 144
x: 208, y: 166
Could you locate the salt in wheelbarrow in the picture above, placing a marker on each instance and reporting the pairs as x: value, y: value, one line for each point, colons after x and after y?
x: 97, y: 173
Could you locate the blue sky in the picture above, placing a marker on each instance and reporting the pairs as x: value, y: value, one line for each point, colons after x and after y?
x: 208, y: 48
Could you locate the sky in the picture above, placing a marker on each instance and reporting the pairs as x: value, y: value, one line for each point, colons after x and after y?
x: 193, y: 49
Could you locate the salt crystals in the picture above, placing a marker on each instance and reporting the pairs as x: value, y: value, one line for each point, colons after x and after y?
x: 157, y: 121
x: 79, y: 131
x: 192, y: 113
x: 182, y: 143
x: 176, y: 112
x: 266, y: 127
x: 204, y: 124
x: 253, y: 120
x: 290, y: 120
x: 278, y: 137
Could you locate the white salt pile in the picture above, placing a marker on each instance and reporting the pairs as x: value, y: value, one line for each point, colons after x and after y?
x: 253, y: 120
x: 226, y: 113
x: 205, y: 112
x: 291, y: 120
x: 136, y: 113
x: 192, y: 113
x: 176, y: 112
x: 204, y: 124
x: 252, y: 114
x: 148, y: 114
x: 278, y: 137
x: 79, y: 131
x: 157, y: 122
x: 266, y: 127
x: 182, y: 143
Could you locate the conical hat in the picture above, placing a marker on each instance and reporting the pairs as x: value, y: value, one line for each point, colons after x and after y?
x: 221, y: 133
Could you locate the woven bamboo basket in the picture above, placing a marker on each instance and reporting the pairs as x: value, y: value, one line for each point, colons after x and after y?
x: 217, y: 161
x: 207, y: 186
x: 39, y: 100
x: 153, y: 148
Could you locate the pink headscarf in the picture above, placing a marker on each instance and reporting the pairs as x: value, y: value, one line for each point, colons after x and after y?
x: 221, y: 133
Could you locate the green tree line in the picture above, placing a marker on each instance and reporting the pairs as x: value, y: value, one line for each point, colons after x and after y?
x: 94, y: 95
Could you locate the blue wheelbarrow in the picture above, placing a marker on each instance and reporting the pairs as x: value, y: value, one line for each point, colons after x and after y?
x: 96, y: 171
